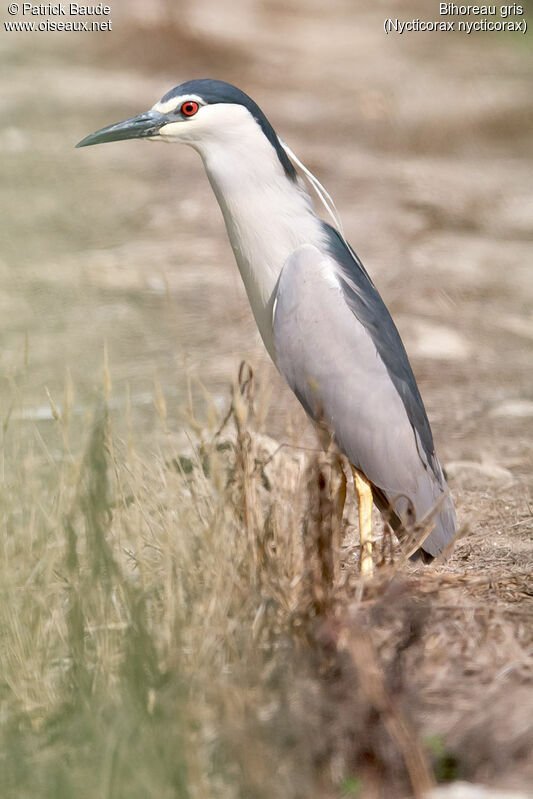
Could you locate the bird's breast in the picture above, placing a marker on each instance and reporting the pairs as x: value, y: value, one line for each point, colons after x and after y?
x: 265, y: 224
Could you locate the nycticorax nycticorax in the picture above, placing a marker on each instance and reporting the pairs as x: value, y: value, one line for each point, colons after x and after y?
x: 320, y: 316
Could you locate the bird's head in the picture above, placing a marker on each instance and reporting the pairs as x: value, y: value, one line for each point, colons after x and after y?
x: 197, y: 113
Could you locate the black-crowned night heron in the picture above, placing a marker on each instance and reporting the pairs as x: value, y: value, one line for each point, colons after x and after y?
x: 320, y: 316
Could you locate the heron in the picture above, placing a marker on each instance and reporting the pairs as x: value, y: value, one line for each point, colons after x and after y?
x: 321, y: 318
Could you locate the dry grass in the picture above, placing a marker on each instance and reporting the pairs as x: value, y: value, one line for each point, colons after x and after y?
x: 188, y: 626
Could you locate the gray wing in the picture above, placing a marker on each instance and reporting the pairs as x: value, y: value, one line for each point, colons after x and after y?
x: 330, y: 359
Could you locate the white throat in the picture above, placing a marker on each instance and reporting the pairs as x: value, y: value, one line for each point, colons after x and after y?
x: 267, y: 215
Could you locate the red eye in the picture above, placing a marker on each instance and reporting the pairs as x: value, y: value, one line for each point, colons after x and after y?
x: 189, y: 108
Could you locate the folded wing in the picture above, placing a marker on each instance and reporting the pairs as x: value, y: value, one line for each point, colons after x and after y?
x: 330, y: 356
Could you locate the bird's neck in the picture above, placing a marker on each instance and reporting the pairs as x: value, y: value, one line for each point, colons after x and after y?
x: 267, y: 217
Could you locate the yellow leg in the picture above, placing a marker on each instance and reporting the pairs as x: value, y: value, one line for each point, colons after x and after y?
x: 339, y: 501
x: 364, y: 496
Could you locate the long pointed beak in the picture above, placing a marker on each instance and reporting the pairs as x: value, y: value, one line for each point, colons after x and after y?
x: 139, y: 127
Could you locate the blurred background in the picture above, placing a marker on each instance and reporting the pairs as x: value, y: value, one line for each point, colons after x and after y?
x: 118, y: 254
x: 424, y: 140
x: 116, y: 279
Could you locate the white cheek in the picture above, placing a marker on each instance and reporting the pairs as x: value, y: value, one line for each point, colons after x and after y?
x: 188, y: 131
x: 212, y: 123
x: 171, y: 131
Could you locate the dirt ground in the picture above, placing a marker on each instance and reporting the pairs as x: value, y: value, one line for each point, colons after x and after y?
x: 424, y: 141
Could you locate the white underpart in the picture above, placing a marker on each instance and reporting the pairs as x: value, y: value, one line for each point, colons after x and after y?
x: 267, y: 215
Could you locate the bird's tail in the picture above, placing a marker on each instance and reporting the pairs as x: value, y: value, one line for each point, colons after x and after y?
x: 411, y: 524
